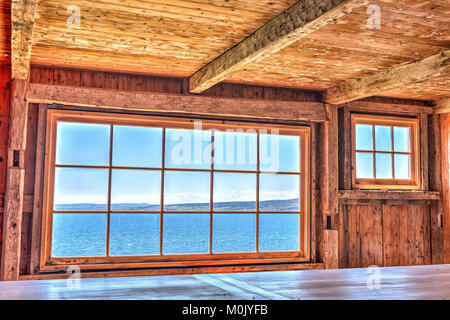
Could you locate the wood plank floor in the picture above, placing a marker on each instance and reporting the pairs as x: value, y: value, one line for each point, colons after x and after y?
x: 415, y: 282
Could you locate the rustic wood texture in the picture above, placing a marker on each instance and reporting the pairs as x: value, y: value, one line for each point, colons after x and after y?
x: 177, y: 38
x: 146, y: 101
x: 389, y: 195
x: 415, y: 72
x: 445, y: 169
x: 303, y: 18
x: 385, y: 235
x: 330, y: 249
x: 435, y: 183
x: 442, y: 106
x: 133, y: 82
x: 22, y: 18
x: 12, y: 224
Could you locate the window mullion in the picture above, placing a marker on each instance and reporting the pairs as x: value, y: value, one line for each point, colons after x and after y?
x: 211, y: 190
x: 161, y: 214
x: 108, y: 220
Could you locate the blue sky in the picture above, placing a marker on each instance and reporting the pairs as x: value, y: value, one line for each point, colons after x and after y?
x: 383, y: 161
x: 88, y: 144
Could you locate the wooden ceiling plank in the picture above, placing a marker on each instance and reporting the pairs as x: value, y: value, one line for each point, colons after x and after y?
x: 298, y: 21
x: 391, y: 79
x: 22, y: 22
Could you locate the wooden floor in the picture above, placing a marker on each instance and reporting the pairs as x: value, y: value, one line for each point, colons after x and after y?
x: 416, y: 282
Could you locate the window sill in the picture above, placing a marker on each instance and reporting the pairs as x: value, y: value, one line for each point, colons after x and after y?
x: 389, y: 195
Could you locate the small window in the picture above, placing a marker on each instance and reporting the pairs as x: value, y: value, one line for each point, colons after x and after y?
x: 385, y: 152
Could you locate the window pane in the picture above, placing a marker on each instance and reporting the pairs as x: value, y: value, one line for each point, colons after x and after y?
x: 186, y: 191
x: 186, y: 233
x: 190, y: 149
x: 279, y: 192
x: 134, y: 234
x: 79, y: 235
x: 278, y: 232
x: 137, y: 146
x: 402, y: 166
x: 364, y: 165
x: 279, y: 153
x: 402, y: 140
x: 383, y: 138
x: 235, y: 150
x: 364, y: 137
x: 135, y: 190
x: 234, y: 233
x: 234, y: 191
x: 81, y: 189
x: 384, y: 166
x: 82, y: 144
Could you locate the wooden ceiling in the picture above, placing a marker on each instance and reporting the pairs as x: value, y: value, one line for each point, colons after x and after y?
x: 178, y: 37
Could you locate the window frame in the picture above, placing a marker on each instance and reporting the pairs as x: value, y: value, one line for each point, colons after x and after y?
x: 414, y: 183
x: 49, y: 263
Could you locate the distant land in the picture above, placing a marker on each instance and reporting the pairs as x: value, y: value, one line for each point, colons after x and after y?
x: 269, y: 205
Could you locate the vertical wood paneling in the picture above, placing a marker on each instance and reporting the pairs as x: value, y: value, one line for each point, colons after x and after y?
x: 445, y: 165
x: 131, y: 82
x: 387, y: 235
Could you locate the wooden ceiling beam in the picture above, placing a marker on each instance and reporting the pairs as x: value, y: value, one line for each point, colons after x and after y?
x: 295, y: 23
x: 175, y: 103
x: 442, y: 106
x: 22, y: 25
x: 391, y: 79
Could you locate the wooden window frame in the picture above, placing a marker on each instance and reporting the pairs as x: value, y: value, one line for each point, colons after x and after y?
x: 392, y: 121
x: 49, y: 263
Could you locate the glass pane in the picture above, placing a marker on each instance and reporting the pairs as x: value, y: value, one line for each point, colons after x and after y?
x: 137, y: 146
x: 402, y: 166
x: 279, y: 232
x: 134, y: 234
x: 186, y: 191
x: 82, y: 144
x: 234, y: 233
x: 402, y: 140
x: 189, y: 149
x: 81, y: 189
x: 383, y: 138
x: 364, y: 165
x: 186, y: 233
x: 235, y: 150
x: 279, y: 192
x: 79, y: 235
x: 234, y: 191
x: 384, y: 166
x: 279, y: 153
x: 135, y: 190
x: 364, y: 137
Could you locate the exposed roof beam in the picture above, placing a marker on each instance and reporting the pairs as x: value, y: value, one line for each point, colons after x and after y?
x: 22, y: 20
x: 295, y: 23
x: 167, y: 102
x: 397, y: 77
x: 442, y: 106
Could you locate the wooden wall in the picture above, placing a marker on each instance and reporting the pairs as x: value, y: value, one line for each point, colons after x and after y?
x: 384, y: 232
x: 132, y: 82
x: 378, y: 229
x: 385, y: 235
x: 5, y: 101
x: 445, y: 143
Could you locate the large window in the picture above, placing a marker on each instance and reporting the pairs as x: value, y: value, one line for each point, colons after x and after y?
x: 385, y: 152
x: 160, y: 191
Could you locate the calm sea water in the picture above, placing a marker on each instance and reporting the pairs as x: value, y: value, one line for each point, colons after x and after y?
x: 84, y: 234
